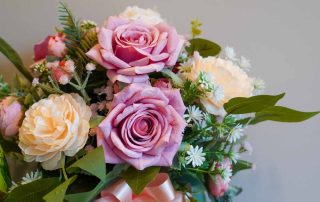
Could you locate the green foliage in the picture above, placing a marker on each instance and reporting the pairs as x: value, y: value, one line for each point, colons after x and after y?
x: 195, y: 28
x: 58, y: 193
x: 241, y: 165
x: 190, y: 92
x: 204, y: 47
x: 96, y: 120
x: 282, y: 114
x: 97, y: 168
x: 242, y: 105
x: 139, y: 179
x: 14, y: 58
x: 176, y: 80
x: 4, y: 88
x: 5, y: 180
x: 33, y: 191
x: 107, y: 180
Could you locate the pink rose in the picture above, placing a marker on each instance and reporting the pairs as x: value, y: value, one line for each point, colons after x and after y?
x: 144, y: 126
x: 162, y: 83
x: 217, y: 185
x: 10, y: 116
x: 51, y: 45
x: 130, y: 49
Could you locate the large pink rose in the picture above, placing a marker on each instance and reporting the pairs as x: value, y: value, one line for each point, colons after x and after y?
x: 10, y: 116
x: 130, y: 49
x: 51, y: 45
x: 144, y: 126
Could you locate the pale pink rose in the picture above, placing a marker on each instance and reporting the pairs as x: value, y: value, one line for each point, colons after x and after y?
x: 10, y: 116
x: 162, y: 83
x: 61, y: 71
x: 130, y: 49
x: 218, y: 186
x: 51, y: 45
x: 144, y: 126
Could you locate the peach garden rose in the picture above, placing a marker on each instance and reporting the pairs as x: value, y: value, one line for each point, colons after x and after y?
x: 53, y: 127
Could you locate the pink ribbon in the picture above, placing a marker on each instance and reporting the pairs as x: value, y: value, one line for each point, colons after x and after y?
x: 159, y: 190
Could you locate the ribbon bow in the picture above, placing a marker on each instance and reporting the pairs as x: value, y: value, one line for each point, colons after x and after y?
x: 159, y: 190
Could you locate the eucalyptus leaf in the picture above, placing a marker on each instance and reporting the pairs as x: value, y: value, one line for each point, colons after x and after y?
x: 58, y: 193
x: 33, y: 191
x: 204, y: 47
x: 242, y: 105
x: 93, y: 163
x: 96, y: 120
x: 13, y: 56
x: 282, y: 114
x: 139, y: 179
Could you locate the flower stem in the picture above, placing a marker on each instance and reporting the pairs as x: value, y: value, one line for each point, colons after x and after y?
x: 64, y: 169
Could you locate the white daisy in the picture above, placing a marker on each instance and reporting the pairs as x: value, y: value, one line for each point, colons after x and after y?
x: 13, y: 186
x: 218, y: 93
x: 195, y: 156
x: 259, y: 86
x: 244, y: 63
x: 230, y: 53
x: 235, y: 134
x: 226, y: 173
x: 193, y: 114
x: 32, y: 176
x: 234, y: 156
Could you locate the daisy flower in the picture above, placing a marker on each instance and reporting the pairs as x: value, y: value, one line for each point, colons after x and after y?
x: 236, y: 134
x: 193, y: 114
x: 218, y: 93
x: 230, y: 53
x: 195, y: 156
x: 32, y: 176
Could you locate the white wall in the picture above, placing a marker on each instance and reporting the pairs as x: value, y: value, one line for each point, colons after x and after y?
x: 280, y: 36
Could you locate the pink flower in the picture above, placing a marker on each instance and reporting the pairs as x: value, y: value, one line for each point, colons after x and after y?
x: 130, y: 49
x: 218, y: 186
x: 144, y: 126
x: 162, y: 83
x: 51, y: 45
x: 10, y: 116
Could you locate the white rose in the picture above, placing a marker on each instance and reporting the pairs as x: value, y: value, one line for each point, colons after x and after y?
x: 53, y: 127
x: 226, y: 76
x: 147, y: 16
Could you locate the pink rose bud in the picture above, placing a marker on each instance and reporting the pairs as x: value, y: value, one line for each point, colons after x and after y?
x: 51, y: 45
x: 130, y: 50
x: 162, y: 83
x: 217, y: 186
x: 10, y: 116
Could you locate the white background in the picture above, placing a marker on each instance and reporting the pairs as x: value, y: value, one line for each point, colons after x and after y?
x: 281, y: 37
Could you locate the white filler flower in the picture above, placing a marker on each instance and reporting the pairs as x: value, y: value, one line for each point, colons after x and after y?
x: 193, y: 114
x: 236, y: 134
x: 32, y: 176
x: 195, y: 156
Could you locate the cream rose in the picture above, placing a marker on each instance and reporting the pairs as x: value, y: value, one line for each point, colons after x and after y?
x: 147, y: 16
x: 54, y: 127
x: 230, y: 79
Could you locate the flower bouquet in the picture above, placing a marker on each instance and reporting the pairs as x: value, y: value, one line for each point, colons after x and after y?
x: 129, y: 110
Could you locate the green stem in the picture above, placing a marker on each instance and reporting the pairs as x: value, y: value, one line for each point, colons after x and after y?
x: 64, y: 169
x: 82, y: 89
x: 49, y: 89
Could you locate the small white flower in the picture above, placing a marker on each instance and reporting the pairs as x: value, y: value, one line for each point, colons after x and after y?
x: 259, y: 86
x: 64, y: 79
x: 13, y: 186
x: 236, y: 133
x: 195, y: 156
x: 193, y: 114
x: 230, y: 53
x: 32, y: 176
x: 90, y: 67
x: 226, y: 173
x: 218, y: 93
x: 244, y: 63
x: 69, y: 66
x: 234, y: 156
x: 35, y: 82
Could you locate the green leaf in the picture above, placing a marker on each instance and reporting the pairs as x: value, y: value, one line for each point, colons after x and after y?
x: 58, y: 193
x: 241, y: 165
x: 28, y: 100
x: 97, y: 168
x: 32, y: 192
x: 139, y: 179
x: 204, y: 47
x: 96, y: 120
x: 176, y: 80
x: 13, y: 56
x: 90, y: 195
x: 242, y: 105
x: 5, y: 180
x: 282, y: 114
